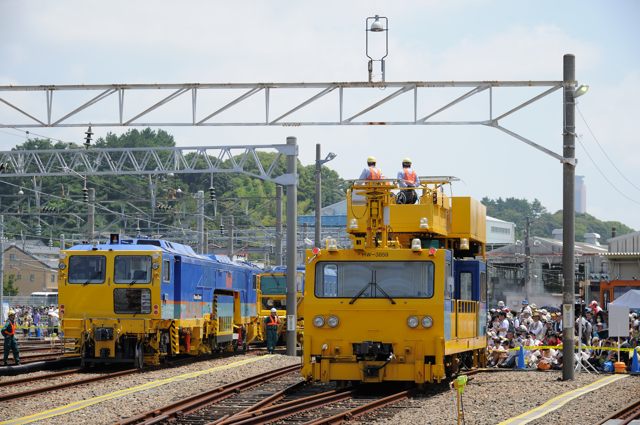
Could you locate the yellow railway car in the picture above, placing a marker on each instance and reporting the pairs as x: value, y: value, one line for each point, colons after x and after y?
x: 408, y: 301
x: 272, y: 293
x: 140, y: 301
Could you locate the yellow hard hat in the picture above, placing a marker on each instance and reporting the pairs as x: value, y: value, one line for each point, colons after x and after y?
x: 371, y: 159
x: 12, y: 313
x: 407, y: 160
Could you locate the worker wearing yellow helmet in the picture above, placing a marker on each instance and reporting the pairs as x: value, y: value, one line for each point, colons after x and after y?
x: 371, y: 172
x: 407, y: 177
x: 10, y: 342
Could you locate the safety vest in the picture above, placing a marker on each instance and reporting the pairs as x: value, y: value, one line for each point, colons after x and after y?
x: 374, y: 173
x: 410, y: 176
x: 273, y: 321
x: 10, y: 329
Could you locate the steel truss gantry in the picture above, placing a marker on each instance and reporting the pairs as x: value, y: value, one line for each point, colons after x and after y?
x: 214, y: 104
x: 156, y: 160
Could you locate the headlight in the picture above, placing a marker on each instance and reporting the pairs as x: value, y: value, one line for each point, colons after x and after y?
x: 427, y: 322
x: 155, y: 266
x: 412, y: 322
x: 62, y: 266
x: 332, y: 321
x: 270, y: 302
x: 318, y: 321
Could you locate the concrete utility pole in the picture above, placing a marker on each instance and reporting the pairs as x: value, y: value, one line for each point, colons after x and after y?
x: 527, y: 259
x: 231, y: 225
x: 568, y: 216
x: 2, y: 268
x: 278, y: 225
x: 292, y: 217
x: 200, y: 225
x: 91, y: 214
x: 318, y: 227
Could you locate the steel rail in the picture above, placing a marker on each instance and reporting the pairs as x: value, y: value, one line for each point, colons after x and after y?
x: 360, y: 410
x: 623, y: 416
x: 39, y: 377
x: 197, y: 401
x: 54, y: 387
x: 292, y: 407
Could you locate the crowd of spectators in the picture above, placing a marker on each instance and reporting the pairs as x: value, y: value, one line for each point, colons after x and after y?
x: 534, y: 326
x: 36, y: 321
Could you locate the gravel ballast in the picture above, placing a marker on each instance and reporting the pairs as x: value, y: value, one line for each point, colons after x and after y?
x: 493, y: 397
x: 111, y: 411
x: 489, y: 398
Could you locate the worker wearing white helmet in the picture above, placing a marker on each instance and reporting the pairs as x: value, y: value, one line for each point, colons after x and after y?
x: 10, y: 341
x: 371, y: 172
x: 272, y: 323
x: 407, y: 177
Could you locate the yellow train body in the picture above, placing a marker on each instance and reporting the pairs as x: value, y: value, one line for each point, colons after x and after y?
x: 399, y: 305
x: 128, y: 303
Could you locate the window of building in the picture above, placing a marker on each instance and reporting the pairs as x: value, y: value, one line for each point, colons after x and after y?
x: 503, y: 230
x: 53, y: 278
x: 12, y: 257
x: 32, y: 277
x: 19, y: 277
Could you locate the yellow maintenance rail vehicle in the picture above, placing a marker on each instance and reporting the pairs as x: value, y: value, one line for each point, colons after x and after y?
x: 407, y: 302
x: 272, y: 293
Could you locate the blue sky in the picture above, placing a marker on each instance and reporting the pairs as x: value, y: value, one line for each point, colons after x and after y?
x: 68, y: 42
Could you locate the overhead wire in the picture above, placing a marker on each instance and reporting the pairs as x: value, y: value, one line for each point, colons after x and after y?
x: 604, y: 176
x: 603, y: 150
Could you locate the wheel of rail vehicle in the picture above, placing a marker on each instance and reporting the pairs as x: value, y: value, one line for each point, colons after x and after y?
x: 139, y: 356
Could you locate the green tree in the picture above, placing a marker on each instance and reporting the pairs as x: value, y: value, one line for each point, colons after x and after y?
x: 8, y: 287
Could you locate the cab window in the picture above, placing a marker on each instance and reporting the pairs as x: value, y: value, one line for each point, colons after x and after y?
x: 133, y: 269
x: 87, y: 269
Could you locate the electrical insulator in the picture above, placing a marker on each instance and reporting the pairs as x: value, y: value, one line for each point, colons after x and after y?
x: 85, y: 194
x: 87, y: 139
x: 212, y: 193
x: 38, y: 230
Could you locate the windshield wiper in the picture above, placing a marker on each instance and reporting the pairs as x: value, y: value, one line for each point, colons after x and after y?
x: 133, y: 281
x: 384, y: 293
x: 359, y: 294
x: 375, y: 285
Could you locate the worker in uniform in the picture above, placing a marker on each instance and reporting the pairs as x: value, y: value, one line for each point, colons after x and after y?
x: 271, y: 323
x: 407, y: 177
x: 371, y: 172
x: 10, y: 341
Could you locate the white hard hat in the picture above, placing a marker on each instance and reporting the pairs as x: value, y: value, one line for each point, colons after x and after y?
x: 273, y: 310
x: 11, y: 313
x: 371, y: 159
x: 407, y: 160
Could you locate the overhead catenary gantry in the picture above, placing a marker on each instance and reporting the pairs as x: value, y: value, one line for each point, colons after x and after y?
x: 215, y: 104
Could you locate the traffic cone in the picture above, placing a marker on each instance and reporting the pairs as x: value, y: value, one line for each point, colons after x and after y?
x: 520, y: 359
x: 635, y: 367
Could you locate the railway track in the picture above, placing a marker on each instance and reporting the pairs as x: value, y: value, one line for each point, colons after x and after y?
x: 57, y: 386
x: 626, y: 415
x: 276, y: 396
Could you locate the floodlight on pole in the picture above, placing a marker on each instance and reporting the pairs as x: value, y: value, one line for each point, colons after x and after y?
x: 582, y: 89
x: 318, y: 201
x: 377, y: 24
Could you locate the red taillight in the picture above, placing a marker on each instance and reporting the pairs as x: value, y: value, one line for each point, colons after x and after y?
x: 432, y: 251
x: 61, y: 309
x: 156, y: 309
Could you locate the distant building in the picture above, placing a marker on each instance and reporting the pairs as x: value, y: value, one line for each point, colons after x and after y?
x: 580, y: 191
x: 507, y: 270
x: 33, y: 265
x: 624, y: 257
